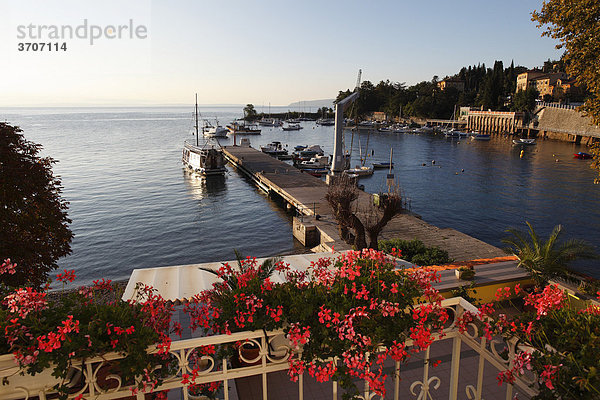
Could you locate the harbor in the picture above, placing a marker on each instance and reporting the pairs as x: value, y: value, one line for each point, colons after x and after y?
x: 315, y: 227
x: 149, y: 212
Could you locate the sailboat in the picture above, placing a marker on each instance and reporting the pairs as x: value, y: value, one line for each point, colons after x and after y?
x: 204, y: 160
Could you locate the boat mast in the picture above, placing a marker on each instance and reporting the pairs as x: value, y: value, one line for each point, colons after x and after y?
x: 197, y: 120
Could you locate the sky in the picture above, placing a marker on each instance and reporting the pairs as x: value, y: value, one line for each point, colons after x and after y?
x: 260, y: 52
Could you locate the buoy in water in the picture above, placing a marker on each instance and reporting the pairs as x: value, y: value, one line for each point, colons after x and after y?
x: 522, y: 152
x: 433, y: 161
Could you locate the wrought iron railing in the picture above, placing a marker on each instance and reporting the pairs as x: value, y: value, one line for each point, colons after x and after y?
x: 464, y: 372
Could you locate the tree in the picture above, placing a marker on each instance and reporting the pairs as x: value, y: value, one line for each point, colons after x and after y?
x: 575, y: 24
x: 250, y: 113
x: 356, y: 225
x: 549, y: 259
x: 34, y: 231
x: 524, y: 100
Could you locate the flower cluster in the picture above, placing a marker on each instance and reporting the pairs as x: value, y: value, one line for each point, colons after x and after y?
x: 560, y: 343
x: 338, y: 309
x: 55, y: 332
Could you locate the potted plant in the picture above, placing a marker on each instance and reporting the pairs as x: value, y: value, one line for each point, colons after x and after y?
x: 465, y: 273
x: 557, y: 341
x: 338, y: 309
x: 55, y: 332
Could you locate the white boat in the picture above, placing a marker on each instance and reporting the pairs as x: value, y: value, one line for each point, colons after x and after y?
x: 315, y: 162
x: 291, y: 127
x: 360, y: 171
x: 206, y: 160
x: 524, y: 141
x: 325, y: 122
x: 270, y: 122
x: 214, y: 131
x: 243, y: 129
x: 274, y: 149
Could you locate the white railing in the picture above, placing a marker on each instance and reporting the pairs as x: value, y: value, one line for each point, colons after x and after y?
x: 272, y: 357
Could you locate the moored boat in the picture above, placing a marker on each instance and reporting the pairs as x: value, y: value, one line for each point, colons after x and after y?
x: 205, y: 160
x: 243, y: 129
x: 274, y: 149
x: 480, y: 136
x: 214, y: 131
x: 582, y: 156
x: 383, y: 165
x: 524, y: 141
x: 360, y: 171
x: 291, y: 127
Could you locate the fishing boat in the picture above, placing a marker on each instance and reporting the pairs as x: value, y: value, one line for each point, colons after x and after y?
x: 480, y: 136
x: 524, y: 141
x: 205, y: 160
x: 582, y: 156
x: 291, y: 127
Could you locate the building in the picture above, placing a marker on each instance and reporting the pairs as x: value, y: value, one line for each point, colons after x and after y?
x: 452, y: 82
x: 544, y: 83
x: 494, y: 121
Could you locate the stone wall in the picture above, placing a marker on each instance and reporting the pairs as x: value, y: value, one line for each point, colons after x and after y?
x: 564, y: 124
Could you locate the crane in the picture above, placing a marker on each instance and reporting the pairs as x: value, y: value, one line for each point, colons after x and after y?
x: 339, y: 162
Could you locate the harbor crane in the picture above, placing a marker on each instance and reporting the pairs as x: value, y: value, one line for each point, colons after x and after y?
x: 340, y: 162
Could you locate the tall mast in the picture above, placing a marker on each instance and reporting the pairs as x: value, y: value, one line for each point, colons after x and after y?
x: 196, y: 119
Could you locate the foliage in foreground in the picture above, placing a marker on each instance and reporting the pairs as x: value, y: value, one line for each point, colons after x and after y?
x: 415, y: 251
x: 559, y: 343
x: 575, y: 24
x: 340, y: 309
x: 33, y: 215
x: 55, y: 331
x: 545, y: 260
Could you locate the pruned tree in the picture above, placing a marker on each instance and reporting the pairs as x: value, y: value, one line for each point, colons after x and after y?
x: 34, y: 231
x: 358, y: 222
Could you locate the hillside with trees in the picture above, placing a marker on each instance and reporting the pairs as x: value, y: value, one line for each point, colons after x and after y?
x: 487, y: 88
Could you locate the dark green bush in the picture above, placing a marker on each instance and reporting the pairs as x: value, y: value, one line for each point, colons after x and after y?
x: 416, y: 252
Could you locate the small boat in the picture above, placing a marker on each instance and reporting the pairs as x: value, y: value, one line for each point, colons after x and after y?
x: 307, y: 153
x: 318, y: 172
x: 315, y: 162
x: 524, y: 141
x: 360, y: 171
x: 243, y: 129
x: 383, y: 165
x: 325, y: 122
x: 384, y: 130
x: 270, y: 122
x: 214, y: 131
x: 291, y: 127
x: 274, y: 149
x: 480, y: 136
x: 205, y: 160
x: 453, y: 133
x: 582, y: 156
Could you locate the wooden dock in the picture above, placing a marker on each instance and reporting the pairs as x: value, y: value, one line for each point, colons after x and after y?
x: 306, y: 194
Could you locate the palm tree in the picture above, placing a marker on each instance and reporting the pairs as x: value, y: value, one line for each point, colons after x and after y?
x: 265, y: 270
x: 549, y: 259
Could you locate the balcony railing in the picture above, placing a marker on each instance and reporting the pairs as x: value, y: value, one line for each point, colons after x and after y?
x: 468, y: 369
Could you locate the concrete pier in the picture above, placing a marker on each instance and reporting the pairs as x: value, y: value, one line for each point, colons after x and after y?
x: 315, y: 225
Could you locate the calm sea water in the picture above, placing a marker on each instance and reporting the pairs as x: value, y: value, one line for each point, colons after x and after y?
x: 133, y: 206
